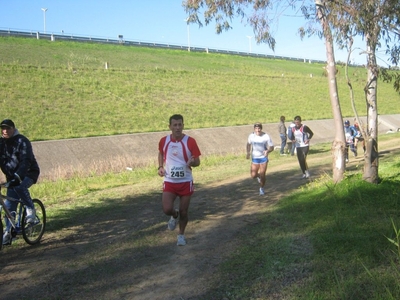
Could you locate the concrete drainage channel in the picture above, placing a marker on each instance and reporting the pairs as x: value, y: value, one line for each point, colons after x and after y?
x: 70, y: 155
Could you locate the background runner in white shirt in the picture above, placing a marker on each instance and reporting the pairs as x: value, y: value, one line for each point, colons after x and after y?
x: 301, y: 136
x: 259, y: 144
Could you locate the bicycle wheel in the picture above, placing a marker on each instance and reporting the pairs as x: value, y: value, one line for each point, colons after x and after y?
x: 33, y: 232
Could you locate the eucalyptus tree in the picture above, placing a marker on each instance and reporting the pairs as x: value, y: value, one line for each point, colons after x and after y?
x: 339, y: 143
x: 258, y: 14
x: 377, y: 22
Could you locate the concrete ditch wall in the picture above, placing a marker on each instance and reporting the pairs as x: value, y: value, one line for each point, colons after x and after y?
x: 138, y: 149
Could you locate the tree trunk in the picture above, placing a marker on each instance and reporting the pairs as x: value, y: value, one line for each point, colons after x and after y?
x: 371, y: 140
x: 339, y: 143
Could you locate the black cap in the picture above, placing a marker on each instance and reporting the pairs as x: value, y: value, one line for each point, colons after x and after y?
x: 7, y: 123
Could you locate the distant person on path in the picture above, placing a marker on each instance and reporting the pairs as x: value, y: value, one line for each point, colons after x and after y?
x: 350, y: 133
x: 301, y: 136
x: 178, y: 154
x: 291, y: 145
x: 358, y: 138
x: 282, y: 134
x: 259, y: 144
x: 19, y: 165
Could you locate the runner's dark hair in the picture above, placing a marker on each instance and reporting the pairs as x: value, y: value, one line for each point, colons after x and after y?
x: 175, y: 117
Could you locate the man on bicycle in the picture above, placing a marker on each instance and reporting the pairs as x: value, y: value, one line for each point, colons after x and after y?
x: 19, y: 165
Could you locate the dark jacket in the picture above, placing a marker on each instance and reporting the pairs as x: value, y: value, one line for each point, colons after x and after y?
x: 16, y: 156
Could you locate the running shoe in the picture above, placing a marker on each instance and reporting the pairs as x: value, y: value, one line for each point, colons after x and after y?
x: 262, y: 191
x: 258, y: 179
x: 173, y: 221
x: 307, y: 174
x: 181, y: 240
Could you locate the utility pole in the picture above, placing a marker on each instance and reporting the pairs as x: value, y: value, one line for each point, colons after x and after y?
x: 44, y: 18
x: 249, y: 37
x: 188, y: 32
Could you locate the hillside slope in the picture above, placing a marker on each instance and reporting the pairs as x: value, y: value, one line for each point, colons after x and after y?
x: 60, y: 90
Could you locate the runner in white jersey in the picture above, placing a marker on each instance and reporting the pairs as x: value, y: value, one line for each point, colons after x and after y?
x: 301, y: 136
x: 178, y: 154
x: 259, y: 144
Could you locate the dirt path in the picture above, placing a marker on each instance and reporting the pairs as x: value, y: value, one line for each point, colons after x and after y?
x: 100, y: 257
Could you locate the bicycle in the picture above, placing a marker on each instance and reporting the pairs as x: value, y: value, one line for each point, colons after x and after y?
x: 31, y: 232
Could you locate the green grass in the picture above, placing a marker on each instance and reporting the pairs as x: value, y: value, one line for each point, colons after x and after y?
x: 324, y: 242
x: 57, y: 90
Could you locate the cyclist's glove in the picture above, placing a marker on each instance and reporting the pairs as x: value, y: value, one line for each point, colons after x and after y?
x: 15, y: 181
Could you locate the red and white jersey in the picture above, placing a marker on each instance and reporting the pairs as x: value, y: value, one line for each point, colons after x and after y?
x: 176, y: 155
x: 300, y: 135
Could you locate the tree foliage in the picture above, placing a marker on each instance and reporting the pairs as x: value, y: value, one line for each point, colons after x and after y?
x: 259, y: 14
x: 374, y: 21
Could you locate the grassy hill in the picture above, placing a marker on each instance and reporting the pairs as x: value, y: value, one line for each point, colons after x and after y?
x: 56, y: 90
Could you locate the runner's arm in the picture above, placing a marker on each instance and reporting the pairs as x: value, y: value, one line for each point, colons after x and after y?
x: 309, y: 133
x: 160, y: 170
x: 248, y: 150
x: 194, y: 161
x: 270, y: 146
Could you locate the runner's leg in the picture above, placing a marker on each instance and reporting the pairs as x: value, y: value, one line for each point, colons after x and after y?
x: 254, y: 170
x: 301, y: 158
x: 305, y: 152
x: 168, y: 204
x: 183, y: 213
x: 262, y: 171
